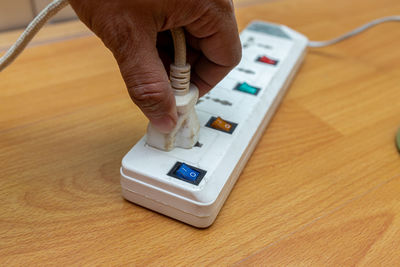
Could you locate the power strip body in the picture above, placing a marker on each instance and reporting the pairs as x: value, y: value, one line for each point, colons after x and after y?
x: 191, y: 185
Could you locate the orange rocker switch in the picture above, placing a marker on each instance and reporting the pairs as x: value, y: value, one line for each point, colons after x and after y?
x: 217, y: 123
x: 222, y: 125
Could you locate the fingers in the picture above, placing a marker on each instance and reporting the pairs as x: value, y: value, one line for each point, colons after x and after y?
x: 129, y: 29
x: 206, y: 74
x: 148, y: 86
x: 145, y: 77
x: 217, y: 38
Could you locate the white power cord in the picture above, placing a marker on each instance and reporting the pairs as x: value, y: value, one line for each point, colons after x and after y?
x: 353, y: 32
x: 179, y: 70
x: 30, y: 31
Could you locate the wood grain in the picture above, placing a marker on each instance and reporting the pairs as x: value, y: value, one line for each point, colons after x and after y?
x: 364, y: 231
x: 320, y: 189
x: 52, y: 33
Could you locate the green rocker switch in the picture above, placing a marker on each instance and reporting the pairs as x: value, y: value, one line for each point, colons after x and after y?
x: 246, y: 88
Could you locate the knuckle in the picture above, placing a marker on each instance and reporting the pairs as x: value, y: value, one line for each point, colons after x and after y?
x: 207, y: 25
x: 150, y: 97
x: 224, y: 5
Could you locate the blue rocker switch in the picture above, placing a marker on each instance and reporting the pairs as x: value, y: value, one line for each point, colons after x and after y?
x: 187, y: 173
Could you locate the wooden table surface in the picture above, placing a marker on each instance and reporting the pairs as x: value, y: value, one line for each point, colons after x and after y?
x: 322, y: 187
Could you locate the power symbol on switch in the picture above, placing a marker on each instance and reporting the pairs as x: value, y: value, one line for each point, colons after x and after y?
x: 187, y: 173
x: 220, y: 124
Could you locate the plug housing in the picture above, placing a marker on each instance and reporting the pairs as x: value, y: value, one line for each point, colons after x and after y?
x: 186, y: 132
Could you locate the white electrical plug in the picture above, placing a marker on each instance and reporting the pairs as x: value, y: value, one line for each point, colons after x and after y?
x: 186, y: 132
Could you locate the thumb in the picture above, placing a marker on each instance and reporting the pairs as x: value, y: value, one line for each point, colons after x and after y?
x: 147, y: 82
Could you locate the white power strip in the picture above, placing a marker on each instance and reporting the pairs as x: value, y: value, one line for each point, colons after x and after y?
x: 191, y: 185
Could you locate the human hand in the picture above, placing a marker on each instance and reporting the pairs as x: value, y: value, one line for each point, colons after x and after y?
x: 136, y: 33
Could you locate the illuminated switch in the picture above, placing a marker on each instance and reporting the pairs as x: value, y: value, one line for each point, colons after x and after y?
x: 267, y: 60
x: 217, y: 123
x: 187, y: 173
x: 247, y: 88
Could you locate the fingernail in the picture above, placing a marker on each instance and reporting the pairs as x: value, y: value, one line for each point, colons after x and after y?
x: 164, y: 125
